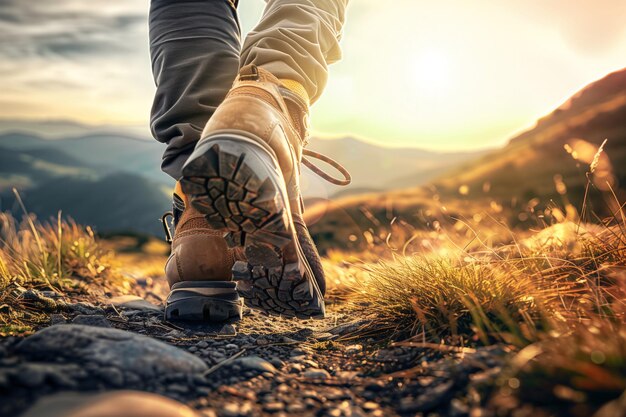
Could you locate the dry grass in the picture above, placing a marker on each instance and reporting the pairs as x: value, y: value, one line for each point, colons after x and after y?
x: 60, y: 256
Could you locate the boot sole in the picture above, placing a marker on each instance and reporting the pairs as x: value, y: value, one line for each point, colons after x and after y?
x: 204, y: 301
x: 237, y: 184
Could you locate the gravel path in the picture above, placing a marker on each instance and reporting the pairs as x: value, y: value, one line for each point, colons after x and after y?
x: 262, y: 366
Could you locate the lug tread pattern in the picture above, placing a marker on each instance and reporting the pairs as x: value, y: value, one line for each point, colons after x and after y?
x: 239, y: 193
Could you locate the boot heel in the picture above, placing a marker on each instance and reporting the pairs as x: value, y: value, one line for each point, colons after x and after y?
x: 239, y: 187
x: 235, y: 183
x: 204, y: 301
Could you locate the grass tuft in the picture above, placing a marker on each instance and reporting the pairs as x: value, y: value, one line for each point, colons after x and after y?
x: 58, y: 256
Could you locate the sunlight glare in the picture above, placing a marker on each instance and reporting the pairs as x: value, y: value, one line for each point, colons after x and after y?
x: 431, y: 72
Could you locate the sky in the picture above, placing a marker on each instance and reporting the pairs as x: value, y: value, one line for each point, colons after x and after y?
x: 444, y: 75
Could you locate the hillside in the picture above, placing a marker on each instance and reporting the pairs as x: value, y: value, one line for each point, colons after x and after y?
x: 26, y: 168
x: 394, y: 168
x: 506, y: 183
x: 117, y: 202
x: 595, y: 113
x: 105, y: 152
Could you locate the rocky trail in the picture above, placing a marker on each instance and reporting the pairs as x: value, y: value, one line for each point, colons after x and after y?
x: 262, y: 366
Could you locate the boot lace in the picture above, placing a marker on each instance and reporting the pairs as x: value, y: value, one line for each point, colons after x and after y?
x: 316, y: 155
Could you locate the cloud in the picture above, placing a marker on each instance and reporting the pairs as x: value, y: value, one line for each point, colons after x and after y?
x: 71, y: 57
x: 66, y: 29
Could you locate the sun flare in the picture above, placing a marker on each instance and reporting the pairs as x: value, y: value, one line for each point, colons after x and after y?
x: 431, y: 72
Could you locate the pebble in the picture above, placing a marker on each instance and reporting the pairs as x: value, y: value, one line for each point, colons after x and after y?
x: 297, y: 352
x: 354, y: 349
x: 369, y: 406
x: 277, y: 363
x: 255, y: 363
x: 308, y: 362
x: 230, y: 410
x: 202, y: 344
x: 273, y: 407
x: 316, y: 374
x: 293, y: 408
x: 57, y: 319
x: 294, y: 368
x: 228, y: 330
x: 428, y: 400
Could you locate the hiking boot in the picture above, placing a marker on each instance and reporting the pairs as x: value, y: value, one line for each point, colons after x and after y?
x: 244, y: 177
x: 199, y: 269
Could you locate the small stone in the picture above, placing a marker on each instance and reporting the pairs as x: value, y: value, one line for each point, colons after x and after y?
x: 228, y: 330
x: 255, y: 363
x: 335, y: 394
x: 352, y: 349
x: 202, y: 344
x: 369, y: 406
x: 273, y: 407
x: 57, y: 319
x: 297, y: 352
x: 316, y: 374
x: 428, y: 400
x: 263, y: 340
x: 231, y: 346
x: 294, y: 368
x: 230, y: 410
x: 91, y: 320
x: 277, y: 363
x: 174, y: 334
x: 293, y: 408
x: 308, y: 362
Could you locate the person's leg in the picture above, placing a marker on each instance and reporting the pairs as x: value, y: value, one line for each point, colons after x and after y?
x: 194, y: 46
x: 244, y: 173
x: 296, y: 40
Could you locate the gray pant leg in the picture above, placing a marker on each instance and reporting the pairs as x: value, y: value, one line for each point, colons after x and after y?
x: 297, y: 39
x: 194, y: 46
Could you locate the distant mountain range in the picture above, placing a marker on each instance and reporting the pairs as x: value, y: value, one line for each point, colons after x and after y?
x: 65, y: 165
x: 558, y: 149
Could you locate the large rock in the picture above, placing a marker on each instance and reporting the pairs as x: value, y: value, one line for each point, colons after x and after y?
x: 141, y: 355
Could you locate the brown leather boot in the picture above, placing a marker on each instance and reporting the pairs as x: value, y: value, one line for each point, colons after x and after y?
x: 244, y: 176
x: 199, y: 269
